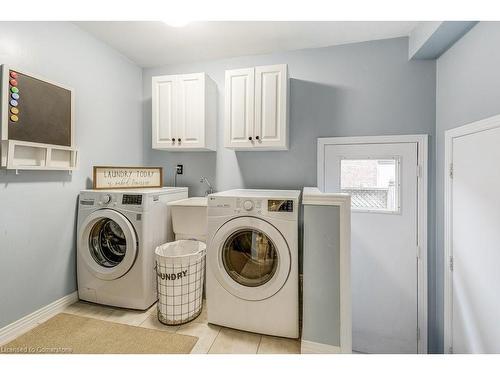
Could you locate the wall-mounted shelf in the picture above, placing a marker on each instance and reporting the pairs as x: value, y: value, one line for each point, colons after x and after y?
x: 29, y: 155
x: 37, y: 130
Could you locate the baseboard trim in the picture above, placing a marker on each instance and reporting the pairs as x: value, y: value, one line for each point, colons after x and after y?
x: 311, y: 347
x: 17, y: 328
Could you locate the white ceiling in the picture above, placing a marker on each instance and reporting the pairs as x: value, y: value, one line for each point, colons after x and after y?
x: 151, y: 44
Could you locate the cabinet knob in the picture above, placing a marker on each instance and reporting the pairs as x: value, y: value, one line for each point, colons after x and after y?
x: 257, y: 137
x: 173, y: 140
x: 249, y: 138
x: 178, y: 139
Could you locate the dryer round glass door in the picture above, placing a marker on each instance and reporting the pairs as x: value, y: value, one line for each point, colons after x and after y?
x: 250, y: 258
x: 107, y: 244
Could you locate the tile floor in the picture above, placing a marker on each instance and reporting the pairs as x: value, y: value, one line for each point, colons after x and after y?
x: 211, y: 338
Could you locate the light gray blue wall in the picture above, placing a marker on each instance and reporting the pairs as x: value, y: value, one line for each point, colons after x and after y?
x: 38, y: 209
x: 468, y: 89
x: 365, y: 88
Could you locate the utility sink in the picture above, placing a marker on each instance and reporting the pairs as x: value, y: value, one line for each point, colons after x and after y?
x: 189, y: 218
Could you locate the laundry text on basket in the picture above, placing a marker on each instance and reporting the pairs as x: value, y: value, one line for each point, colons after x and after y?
x: 172, y: 276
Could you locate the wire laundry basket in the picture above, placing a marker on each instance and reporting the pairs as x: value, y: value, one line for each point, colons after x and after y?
x: 180, y: 271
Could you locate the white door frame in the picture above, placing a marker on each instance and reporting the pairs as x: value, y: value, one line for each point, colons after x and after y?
x: 422, y: 173
x: 450, y: 135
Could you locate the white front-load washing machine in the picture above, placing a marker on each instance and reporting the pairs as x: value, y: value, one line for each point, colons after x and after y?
x: 118, y: 231
x: 252, y: 261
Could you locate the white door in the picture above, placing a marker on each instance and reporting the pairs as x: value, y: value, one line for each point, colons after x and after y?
x: 239, y: 108
x: 191, y: 126
x: 382, y: 181
x: 270, y: 106
x: 474, y: 245
x: 164, y: 111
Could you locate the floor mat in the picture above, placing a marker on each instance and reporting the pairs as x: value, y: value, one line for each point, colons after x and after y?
x: 67, y: 333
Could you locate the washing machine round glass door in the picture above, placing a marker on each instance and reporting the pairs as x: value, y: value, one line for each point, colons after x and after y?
x: 251, y: 258
x: 108, y: 244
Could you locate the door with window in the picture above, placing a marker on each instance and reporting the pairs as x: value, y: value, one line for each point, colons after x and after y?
x: 382, y: 180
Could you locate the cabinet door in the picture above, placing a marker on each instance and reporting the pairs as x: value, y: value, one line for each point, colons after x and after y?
x: 239, y: 108
x: 164, y: 111
x: 191, y: 118
x: 271, y: 94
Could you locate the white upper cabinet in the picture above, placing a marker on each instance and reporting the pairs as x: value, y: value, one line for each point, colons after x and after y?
x: 256, y: 108
x: 184, y: 112
x: 271, y: 114
x: 239, y: 108
x: 163, y: 102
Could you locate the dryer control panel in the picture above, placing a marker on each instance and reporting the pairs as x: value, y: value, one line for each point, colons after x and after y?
x: 249, y: 204
x: 280, y: 205
x: 285, y: 209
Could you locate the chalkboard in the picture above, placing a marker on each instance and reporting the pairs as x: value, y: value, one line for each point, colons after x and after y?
x: 39, y: 111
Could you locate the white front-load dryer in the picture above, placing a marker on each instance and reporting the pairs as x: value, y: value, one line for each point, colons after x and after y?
x: 252, y: 261
x: 118, y: 231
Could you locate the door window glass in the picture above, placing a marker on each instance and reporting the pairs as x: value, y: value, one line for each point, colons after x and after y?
x: 372, y: 183
x: 107, y: 243
x: 250, y: 257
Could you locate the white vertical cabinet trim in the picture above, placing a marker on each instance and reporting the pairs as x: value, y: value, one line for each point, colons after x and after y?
x: 157, y: 83
x: 193, y: 114
x: 191, y: 108
x: 271, y: 117
x: 210, y: 113
x: 245, y: 111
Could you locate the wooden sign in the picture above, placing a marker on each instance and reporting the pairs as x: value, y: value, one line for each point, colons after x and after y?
x: 127, y: 177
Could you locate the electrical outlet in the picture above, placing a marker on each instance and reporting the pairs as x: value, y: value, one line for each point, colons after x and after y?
x: 180, y: 169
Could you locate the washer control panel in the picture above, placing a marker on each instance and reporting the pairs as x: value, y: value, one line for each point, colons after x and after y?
x: 117, y: 200
x: 135, y: 199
